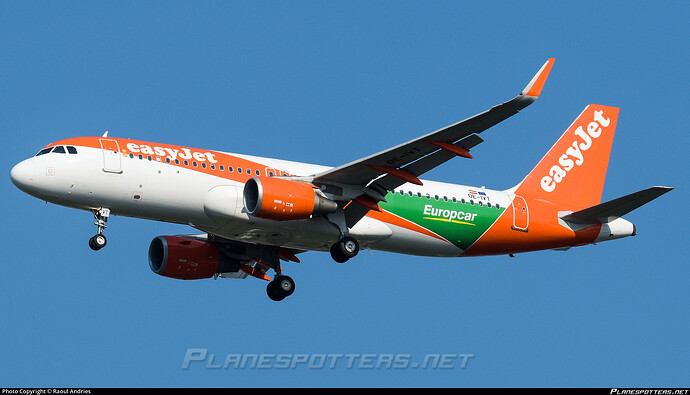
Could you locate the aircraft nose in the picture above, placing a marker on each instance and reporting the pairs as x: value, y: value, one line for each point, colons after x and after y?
x: 22, y: 175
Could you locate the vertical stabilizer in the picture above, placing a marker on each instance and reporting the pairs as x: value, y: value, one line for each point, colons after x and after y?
x: 574, y: 169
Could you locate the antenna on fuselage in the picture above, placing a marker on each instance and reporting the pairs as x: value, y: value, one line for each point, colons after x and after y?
x: 105, y: 134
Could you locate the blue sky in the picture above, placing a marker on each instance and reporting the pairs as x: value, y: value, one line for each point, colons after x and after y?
x: 327, y: 83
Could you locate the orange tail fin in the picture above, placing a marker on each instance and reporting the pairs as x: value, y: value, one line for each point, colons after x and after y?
x: 574, y: 169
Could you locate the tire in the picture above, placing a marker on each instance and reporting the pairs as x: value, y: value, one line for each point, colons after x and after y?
x: 349, y: 247
x: 97, y: 242
x: 337, y: 254
x: 344, y: 249
x: 285, y: 285
x: 280, y: 288
x: 272, y: 292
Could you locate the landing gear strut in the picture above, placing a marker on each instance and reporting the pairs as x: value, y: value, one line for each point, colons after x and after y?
x: 282, y: 286
x: 344, y: 249
x: 99, y: 241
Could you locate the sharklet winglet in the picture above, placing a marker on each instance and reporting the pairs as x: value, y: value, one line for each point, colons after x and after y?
x: 537, y: 83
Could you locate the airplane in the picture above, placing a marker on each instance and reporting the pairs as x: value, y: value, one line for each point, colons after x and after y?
x: 256, y: 213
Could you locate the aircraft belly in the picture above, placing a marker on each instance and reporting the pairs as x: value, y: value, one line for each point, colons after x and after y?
x: 409, y: 242
x: 313, y: 234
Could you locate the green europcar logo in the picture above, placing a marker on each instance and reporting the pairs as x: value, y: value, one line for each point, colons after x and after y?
x: 458, y: 222
x: 446, y: 215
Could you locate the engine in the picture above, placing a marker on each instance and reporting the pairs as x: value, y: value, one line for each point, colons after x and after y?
x: 184, y: 258
x: 282, y: 200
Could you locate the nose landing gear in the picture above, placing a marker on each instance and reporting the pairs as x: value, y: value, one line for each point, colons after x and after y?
x: 99, y: 241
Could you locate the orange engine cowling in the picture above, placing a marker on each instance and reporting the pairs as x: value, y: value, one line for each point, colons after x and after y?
x: 183, y: 258
x: 282, y: 200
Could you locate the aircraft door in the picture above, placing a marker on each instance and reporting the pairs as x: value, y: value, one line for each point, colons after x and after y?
x: 520, y: 214
x: 112, y: 159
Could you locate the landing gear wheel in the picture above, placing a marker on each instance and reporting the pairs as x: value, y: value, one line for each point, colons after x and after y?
x: 97, y: 242
x: 344, y: 249
x: 280, y: 288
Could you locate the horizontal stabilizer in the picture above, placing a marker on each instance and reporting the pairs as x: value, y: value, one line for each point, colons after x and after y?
x: 616, y: 208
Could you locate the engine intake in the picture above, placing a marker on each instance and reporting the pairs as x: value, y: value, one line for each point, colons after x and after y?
x: 282, y: 200
x: 184, y: 258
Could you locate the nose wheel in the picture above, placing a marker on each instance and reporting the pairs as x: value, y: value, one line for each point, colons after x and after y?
x: 99, y: 241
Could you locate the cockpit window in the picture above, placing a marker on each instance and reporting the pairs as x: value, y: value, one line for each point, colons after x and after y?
x: 44, y: 151
x: 59, y: 150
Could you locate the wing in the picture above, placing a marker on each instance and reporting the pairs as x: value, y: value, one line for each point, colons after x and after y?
x: 366, y: 181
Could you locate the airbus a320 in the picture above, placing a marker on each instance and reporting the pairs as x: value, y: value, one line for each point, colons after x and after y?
x: 255, y: 212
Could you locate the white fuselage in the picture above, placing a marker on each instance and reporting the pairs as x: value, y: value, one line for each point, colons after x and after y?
x: 150, y: 189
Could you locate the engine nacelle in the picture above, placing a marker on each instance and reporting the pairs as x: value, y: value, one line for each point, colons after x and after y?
x: 184, y: 258
x: 282, y: 200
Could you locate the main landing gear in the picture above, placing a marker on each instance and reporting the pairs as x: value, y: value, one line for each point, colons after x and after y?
x: 344, y: 249
x: 281, y: 286
x: 99, y: 241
